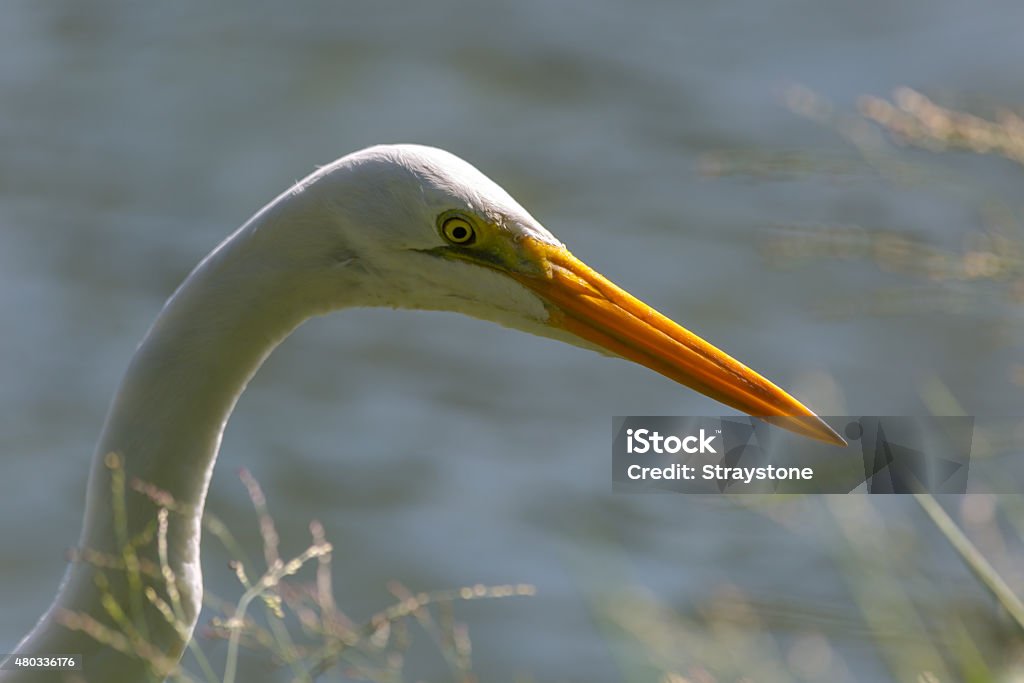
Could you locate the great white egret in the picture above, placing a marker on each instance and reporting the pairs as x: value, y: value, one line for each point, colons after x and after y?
x: 403, y: 226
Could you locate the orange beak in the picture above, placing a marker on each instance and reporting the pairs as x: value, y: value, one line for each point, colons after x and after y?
x: 588, y: 305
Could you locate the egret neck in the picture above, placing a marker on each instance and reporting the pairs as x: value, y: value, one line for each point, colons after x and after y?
x: 165, y: 424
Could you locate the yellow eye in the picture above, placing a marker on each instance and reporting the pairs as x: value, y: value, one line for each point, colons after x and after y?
x: 458, y: 230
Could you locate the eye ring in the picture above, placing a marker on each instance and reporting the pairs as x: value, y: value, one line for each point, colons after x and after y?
x: 458, y: 230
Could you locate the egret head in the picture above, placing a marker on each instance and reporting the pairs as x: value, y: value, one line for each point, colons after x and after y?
x: 408, y: 226
x: 419, y: 227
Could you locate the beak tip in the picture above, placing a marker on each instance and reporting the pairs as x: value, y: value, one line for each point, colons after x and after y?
x: 834, y: 438
x: 809, y: 425
x: 825, y: 432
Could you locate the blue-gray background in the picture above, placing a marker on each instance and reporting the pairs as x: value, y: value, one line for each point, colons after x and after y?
x: 442, y: 451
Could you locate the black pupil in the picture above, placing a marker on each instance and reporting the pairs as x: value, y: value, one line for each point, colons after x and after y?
x: 459, y: 233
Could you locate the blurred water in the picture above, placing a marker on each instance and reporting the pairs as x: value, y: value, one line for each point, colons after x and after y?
x: 136, y: 136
